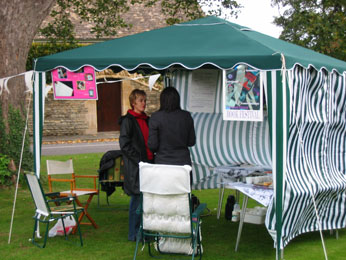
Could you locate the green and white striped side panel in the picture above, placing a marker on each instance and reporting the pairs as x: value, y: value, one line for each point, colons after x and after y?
x: 316, y: 154
x: 222, y: 142
x: 38, y: 118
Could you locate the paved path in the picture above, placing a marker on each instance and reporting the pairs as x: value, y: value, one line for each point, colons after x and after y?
x: 79, y: 144
x: 78, y: 148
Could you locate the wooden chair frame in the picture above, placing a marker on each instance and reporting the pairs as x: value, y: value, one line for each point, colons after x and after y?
x: 74, y: 191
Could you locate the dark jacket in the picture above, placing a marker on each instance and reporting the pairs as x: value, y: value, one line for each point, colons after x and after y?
x: 170, y: 135
x: 106, y: 163
x: 132, y: 145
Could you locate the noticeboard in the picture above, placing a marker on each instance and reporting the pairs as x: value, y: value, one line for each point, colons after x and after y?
x: 202, y: 90
x: 70, y: 85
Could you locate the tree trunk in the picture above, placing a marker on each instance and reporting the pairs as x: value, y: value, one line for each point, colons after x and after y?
x: 20, y: 22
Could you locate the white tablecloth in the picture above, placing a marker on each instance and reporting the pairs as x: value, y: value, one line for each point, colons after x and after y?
x: 261, y: 194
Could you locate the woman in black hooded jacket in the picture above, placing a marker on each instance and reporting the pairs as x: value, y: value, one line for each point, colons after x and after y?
x: 171, y: 131
x: 133, y: 141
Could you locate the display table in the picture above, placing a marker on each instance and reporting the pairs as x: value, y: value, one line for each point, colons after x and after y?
x: 230, y: 180
x: 262, y: 195
x: 231, y: 174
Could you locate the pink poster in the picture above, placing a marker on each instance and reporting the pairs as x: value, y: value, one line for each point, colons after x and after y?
x: 80, y: 84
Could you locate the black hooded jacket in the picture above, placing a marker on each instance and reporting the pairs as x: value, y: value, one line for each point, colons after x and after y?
x: 107, y: 162
x: 170, y: 136
x: 132, y: 145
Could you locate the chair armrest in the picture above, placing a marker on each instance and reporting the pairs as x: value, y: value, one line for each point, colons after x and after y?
x: 197, y: 213
x: 62, y: 199
x: 88, y: 176
x: 52, y: 194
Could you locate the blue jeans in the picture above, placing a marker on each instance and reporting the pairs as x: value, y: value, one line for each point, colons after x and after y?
x: 134, y: 219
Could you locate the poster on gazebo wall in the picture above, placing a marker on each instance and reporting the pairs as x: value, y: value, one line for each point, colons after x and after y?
x: 80, y: 84
x: 202, y: 90
x: 242, y: 94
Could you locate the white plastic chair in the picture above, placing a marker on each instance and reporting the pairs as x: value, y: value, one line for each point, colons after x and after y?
x: 45, y: 213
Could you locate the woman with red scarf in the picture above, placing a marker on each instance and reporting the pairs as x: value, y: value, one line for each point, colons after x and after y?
x: 133, y: 141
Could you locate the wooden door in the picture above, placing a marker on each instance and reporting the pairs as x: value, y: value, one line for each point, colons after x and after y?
x: 108, y: 106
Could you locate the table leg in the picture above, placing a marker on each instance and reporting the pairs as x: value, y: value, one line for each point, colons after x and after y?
x: 237, y: 196
x: 241, y: 221
x: 219, y: 206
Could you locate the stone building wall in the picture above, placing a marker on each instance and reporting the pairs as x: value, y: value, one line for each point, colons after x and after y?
x: 153, y: 96
x: 79, y: 117
x: 64, y: 117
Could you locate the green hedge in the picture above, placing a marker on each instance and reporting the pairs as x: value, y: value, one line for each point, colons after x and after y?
x: 11, y: 140
x: 43, y: 49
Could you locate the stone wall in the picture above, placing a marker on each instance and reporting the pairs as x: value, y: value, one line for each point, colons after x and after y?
x: 79, y: 117
x: 153, y: 96
x: 63, y: 117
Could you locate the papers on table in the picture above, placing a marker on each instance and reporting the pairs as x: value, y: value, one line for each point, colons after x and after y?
x: 262, y: 195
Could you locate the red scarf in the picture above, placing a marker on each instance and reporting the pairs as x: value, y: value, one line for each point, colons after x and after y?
x: 141, y: 119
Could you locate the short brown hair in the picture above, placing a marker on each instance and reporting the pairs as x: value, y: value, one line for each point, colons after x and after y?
x: 134, y: 94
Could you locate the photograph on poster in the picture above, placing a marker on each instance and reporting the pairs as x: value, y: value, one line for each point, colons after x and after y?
x: 242, y: 94
x: 88, y: 76
x: 62, y: 73
x: 81, y: 85
x: 74, y: 85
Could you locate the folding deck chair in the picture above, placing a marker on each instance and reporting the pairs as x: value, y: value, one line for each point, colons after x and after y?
x: 166, y: 213
x: 65, y: 169
x: 45, y: 213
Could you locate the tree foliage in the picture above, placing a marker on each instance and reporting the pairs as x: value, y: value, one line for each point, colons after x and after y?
x: 43, y: 49
x: 193, y: 9
x: 3, y: 134
x: 105, y: 16
x: 316, y: 24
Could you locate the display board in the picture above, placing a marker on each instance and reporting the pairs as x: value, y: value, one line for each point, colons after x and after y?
x: 74, y: 85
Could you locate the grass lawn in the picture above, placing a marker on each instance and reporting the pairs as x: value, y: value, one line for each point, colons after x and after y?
x: 109, y: 241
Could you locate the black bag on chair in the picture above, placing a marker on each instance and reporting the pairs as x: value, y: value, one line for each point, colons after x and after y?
x: 106, y: 163
x: 195, y: 202
x: 229, y: 207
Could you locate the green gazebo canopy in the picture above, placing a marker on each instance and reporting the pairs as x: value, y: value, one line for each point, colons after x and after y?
x: 192, y: 44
